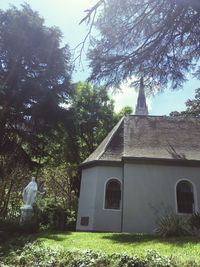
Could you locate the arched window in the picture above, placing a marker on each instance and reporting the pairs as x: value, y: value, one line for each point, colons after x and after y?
x: 113, y: 194
x: 185, y: 197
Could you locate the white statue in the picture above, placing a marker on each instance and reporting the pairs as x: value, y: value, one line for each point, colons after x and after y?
x: 29, y: 194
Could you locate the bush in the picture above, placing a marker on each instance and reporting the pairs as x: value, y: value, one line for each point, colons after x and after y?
x: 10, y: 227
x: 36, y: 255
x: 194, y: 221
x: 71, y: 220
x: 172, y: 225
x: 125, y: 260
x: 52, y: 217
x: 155, y: 259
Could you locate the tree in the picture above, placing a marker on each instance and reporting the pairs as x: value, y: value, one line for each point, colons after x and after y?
x: 34, y: 81
x: 154, y: 39
x: 91, y: 117
x: 127, y: 110
x: 94, y: 116
x: 192, y: 107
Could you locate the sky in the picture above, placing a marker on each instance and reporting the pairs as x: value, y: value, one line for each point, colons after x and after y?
x: 66, y: 14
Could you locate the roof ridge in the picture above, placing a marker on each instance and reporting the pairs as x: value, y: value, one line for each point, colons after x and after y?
x: 112, y: 132
x: 124, y: 135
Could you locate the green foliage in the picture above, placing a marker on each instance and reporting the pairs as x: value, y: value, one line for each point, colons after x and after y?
x: 125, y: 260
x: 192, y: 107
x: 37, y: 255
x: 34, y: 77
x: 58, y: 184
x: 12, y: 227
x: 30, y: 227
x: 194, y: 221
x: 34, y: 80
x: 125, y: 111
x: 52, y: 217
x: 154, y: 258
x: 56, y: 210
x: 11, y: 184
x: 154, y: 39
x: 93, y: 116
x: 60, y: 196
x: 99, y: 249
x: 172, y: 225
x: 9, y: 225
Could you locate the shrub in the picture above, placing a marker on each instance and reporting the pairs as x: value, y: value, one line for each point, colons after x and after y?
x: 52, y: 217
x: 194, y: 221
x: 36, y: 255
x: 130, y: 261
x: 71, y: 220
x: 155, y: 259
x: 9, y: 227
x: 29, y: 227
x: 172, y: 225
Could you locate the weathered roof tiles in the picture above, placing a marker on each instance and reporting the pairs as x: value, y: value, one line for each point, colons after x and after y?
x: 159, y: 137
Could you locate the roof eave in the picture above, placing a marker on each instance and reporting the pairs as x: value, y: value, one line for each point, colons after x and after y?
x: 94, y: 163
x: 161, y: 161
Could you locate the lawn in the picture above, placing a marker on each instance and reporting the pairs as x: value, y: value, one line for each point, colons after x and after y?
x: 184, y: 248
x: 73, y: 247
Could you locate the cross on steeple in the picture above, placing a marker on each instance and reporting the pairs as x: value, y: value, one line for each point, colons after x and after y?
x: 141, y: 108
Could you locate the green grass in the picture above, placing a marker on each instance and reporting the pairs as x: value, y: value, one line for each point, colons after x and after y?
x: 184, y: 248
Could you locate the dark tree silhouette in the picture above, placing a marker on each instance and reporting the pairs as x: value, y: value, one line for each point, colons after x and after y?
x: 156, y: 39
x: 34, y: 79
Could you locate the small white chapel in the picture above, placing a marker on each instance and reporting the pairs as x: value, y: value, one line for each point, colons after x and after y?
x: 146, y: 167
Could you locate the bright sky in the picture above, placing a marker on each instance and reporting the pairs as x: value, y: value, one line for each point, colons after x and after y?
x: 66, y: 14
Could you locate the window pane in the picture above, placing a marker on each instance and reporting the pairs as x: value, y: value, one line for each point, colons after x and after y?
x: 184, y: 186
x: 113, y: 195
x: 185, y: 197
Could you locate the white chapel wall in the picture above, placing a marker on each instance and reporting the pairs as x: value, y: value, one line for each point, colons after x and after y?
x: 87, y: 198
x: 106, y: 219
x: 91, y: 200
x: 149, y: 192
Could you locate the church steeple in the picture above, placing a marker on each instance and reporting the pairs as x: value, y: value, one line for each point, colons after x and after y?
x: 141, y: 108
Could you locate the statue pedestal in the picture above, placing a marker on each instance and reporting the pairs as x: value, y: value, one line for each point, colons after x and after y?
x: 26, y: 215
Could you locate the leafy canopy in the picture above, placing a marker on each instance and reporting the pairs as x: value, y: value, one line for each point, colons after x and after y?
x: 192, y: 107
x: 155, y: 39
x: 34, y: 79
x: 91, y: 117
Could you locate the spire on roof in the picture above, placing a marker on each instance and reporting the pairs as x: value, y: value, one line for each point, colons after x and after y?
x: 141, y: 108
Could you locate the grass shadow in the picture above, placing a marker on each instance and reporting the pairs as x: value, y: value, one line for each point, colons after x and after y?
x: 126, y: 238
x: 18, y: 242
x: 14, y: 243
x: 55, y: 235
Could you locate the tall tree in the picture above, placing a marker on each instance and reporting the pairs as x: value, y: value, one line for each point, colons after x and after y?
x: 156, y: 39
x: 192, y: 107
x: 34, y: 80
x: 94, y: 115
x: 91, y: 117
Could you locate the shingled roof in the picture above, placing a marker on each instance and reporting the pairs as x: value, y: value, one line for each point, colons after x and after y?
x: 150, y: 137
